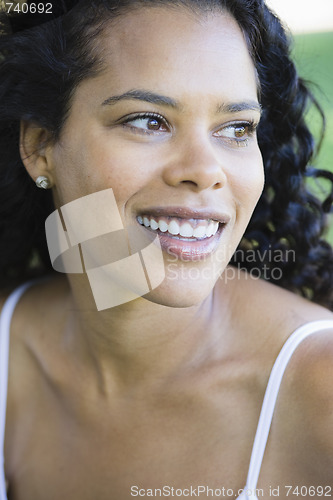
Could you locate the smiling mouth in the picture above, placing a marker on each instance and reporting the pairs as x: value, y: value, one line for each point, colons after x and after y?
x: 181, y: 228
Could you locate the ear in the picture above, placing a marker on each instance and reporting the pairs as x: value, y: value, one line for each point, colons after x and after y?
x: 34, y: 146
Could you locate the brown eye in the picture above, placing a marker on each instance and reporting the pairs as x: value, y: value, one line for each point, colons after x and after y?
x: 147, y: 124
x: 240, y: 132
x: 153, y: 124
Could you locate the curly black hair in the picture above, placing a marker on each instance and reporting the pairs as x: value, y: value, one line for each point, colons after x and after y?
x: 44, y: 57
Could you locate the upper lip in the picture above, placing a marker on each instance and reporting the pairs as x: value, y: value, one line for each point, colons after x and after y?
x: 186, y: 213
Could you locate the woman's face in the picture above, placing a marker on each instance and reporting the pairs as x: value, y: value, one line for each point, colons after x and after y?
x: 170, y: 127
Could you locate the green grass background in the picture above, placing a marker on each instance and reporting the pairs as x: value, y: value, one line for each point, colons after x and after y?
x: 314, y: 60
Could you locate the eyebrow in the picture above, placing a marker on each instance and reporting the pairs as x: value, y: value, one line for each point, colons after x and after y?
x: 153, y: 98
x: 142, y: 95
x: 236, y: 107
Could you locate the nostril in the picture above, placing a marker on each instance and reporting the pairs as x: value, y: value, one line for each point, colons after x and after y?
x: 188, y: 182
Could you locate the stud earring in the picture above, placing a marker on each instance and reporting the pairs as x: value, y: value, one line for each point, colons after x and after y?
x: 43, y: 182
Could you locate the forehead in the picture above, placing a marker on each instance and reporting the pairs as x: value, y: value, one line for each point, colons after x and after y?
x: 178, y: 53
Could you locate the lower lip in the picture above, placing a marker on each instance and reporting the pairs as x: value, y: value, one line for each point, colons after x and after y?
x: 188, y: 250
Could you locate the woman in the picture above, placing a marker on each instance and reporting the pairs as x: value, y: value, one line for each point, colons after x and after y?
x: 156, y: 104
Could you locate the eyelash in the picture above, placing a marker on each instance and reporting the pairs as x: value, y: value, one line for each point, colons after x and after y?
x: 251, y: 126
x: 143, y: 116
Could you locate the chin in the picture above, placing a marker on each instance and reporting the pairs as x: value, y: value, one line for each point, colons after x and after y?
x: 184, y: 287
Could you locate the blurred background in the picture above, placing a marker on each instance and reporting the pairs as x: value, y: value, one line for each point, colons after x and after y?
x: 311, y: 23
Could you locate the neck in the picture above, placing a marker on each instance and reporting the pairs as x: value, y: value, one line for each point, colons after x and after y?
x: 143, y: 341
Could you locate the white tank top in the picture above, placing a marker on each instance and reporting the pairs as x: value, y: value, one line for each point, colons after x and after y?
x: 267, y: 409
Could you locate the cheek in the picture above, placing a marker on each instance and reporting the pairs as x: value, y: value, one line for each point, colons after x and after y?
x: 119, y: 168
x: 248, y: 181
x: 98, y: 163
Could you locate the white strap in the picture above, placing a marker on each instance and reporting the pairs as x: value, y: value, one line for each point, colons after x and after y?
x: 5, y: 321
x: 271, y: 394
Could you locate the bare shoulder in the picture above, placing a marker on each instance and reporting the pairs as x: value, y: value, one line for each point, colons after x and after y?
x: 311, y: 366
x: 36, y: 316
x: 305, y: 404
x: 304, y: 410
x: 25, y: 370
x: 266, y: 301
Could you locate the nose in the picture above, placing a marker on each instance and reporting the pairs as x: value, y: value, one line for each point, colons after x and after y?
x: 197, y: 164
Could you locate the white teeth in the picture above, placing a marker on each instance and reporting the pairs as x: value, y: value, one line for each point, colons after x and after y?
x: 153, y: 224
x: 163, y: 226
x: 199, y: 232
x: 186, y: 230
x: 216, y: 227
x: 210, y: 230
x: 174, y: 228
x: 205, y: 229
